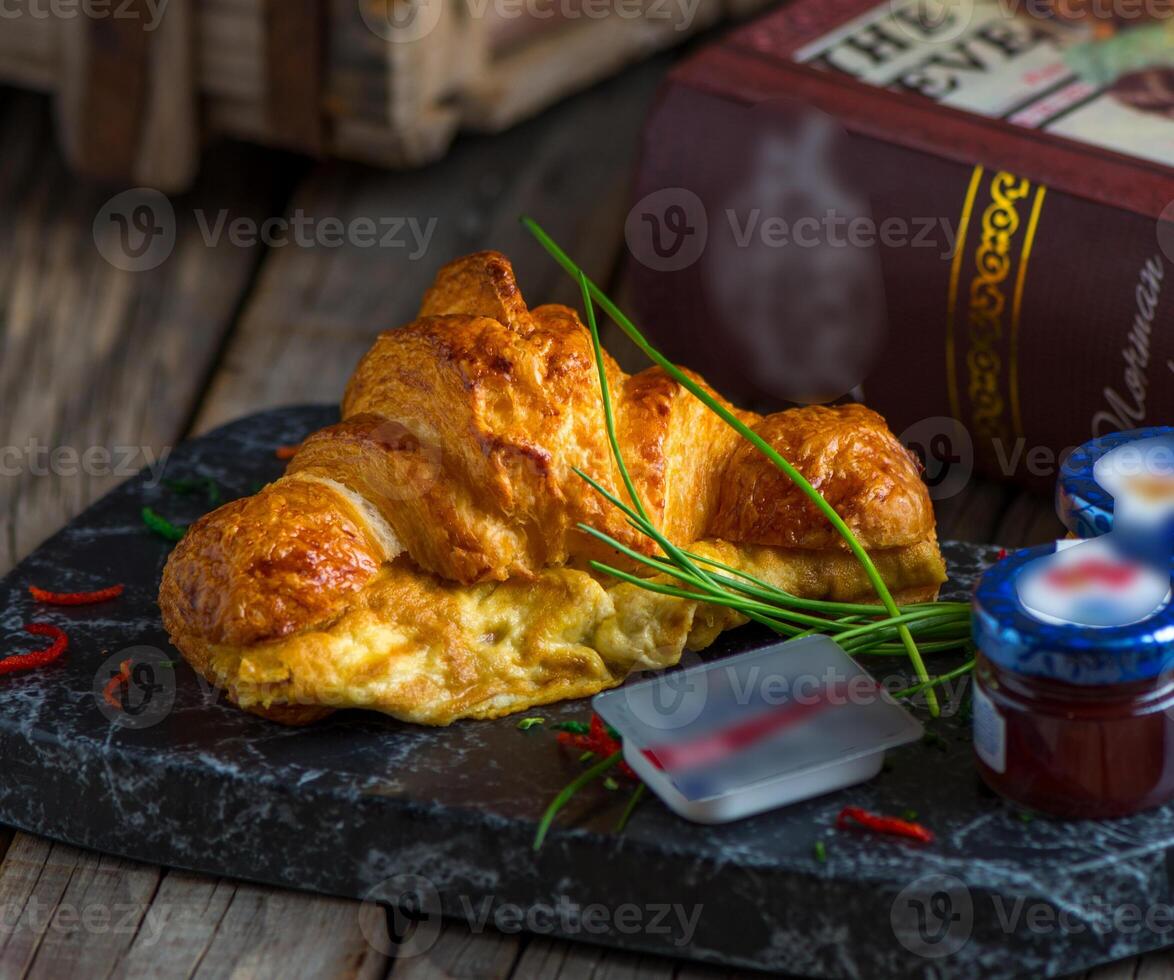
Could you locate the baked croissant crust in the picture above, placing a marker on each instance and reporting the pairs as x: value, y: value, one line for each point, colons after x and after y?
x: 421, y: 557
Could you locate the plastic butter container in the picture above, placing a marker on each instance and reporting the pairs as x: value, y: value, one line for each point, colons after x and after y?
x: 758, y: 730
x: 1114, y: 471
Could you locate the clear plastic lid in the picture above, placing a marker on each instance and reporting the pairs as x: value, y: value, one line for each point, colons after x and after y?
x: 757, y: 730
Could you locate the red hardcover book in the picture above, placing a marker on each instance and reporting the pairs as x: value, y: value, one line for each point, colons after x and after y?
x: 1011, y: 176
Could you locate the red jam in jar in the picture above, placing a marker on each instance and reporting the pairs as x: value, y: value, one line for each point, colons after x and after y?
x: 1073, y: 721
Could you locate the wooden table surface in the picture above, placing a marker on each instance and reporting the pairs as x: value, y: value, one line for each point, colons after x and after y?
x: 91, y: 355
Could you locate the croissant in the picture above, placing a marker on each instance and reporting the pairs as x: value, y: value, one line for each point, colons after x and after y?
x: 422, y: 557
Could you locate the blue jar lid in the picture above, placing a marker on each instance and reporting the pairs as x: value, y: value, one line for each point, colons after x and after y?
x: 1013, y: 638
x: 1085, y: 507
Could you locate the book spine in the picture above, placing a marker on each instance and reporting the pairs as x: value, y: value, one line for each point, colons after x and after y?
x: 1047, y: 319
x: 1052, y: 322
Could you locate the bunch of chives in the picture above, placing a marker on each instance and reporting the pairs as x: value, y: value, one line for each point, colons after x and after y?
x: 859, y: 628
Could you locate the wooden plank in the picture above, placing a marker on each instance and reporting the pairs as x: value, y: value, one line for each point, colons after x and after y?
x: 266, y: 932
x: 1155, y: 966
x: 1121, y: 970
x: 96, y: 358
x: 65, y: 907
x: 318, y: 308
x: 178, y: 927
x: 97, y: 915
x: 458, y: 952
x: 1029, y: 519
x: 295, y: 72
x: 561, y: 960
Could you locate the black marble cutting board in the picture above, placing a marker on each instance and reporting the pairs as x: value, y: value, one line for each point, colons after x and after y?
x: 443, y: 819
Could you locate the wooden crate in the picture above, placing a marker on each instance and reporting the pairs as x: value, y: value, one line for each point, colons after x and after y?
x: 139, y: 83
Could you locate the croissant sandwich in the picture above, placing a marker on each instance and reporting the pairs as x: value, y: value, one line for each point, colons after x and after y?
x: 422, y: 557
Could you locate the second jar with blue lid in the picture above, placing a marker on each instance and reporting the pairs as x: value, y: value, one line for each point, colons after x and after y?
x: 1115, y: 471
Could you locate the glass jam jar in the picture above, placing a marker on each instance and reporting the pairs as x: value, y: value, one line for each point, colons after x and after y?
x: 1071, y: 721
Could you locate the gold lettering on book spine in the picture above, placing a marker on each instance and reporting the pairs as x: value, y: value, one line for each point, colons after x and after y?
x: 992, y: 303
x: 994, y: 262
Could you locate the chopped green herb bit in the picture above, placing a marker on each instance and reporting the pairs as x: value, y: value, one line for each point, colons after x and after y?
x: 204, y: 484
x: 611, y: 784
x: 574, y: 727
x: 633, y: 802
x: 1026, y: 816
x: 587, y: 756
x: 909, y: 815
x: 527, y: 723
x: 163, y: 527
x: 821, y: 851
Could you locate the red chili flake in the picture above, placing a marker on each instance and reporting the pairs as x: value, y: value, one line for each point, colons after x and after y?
x: 1001, y: 555
x: 287, y: 452
x: 597, y: 740
x: 854, y: 815
x: 76, y: 598
x: 110, y: 693
x: 37, y: 658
